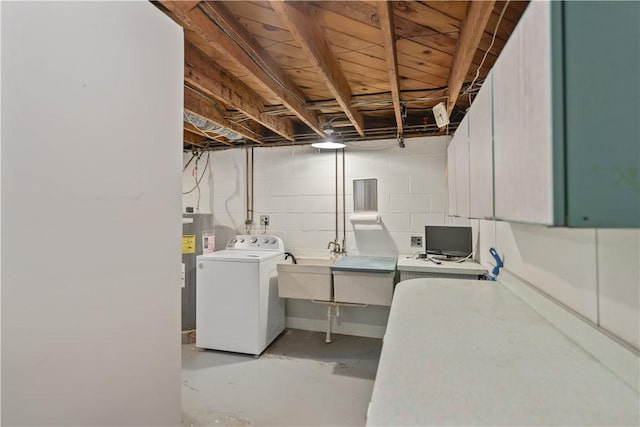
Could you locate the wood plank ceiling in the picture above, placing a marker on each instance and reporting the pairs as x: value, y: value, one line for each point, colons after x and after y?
x: 282, y: 72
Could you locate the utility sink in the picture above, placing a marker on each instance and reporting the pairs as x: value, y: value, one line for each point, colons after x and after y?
x: 310, y: 279
x: 364, y: 280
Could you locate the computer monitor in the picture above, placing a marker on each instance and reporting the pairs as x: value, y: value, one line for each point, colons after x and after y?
x: 448, y: 241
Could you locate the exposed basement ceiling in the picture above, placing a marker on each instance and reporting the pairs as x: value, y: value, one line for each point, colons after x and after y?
x: 278, y: 72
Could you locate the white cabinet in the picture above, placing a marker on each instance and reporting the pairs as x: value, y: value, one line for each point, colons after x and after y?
x: 566, y: 126
x: 462, y: 168
x: 481, y: 153
x: 560, y: 123
x: 451, y: 178
x: 458, y: 170
x: 522, y: 122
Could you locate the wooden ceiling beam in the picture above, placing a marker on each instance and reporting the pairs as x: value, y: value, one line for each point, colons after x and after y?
x: 191, y: 129
x: 385, y: 11
x: 230, y: 22
x: 189, y: 4
x: 471, y: 30
x: 306, y: 31
x: 255, y: 62
x: 196, y: 139
x: 193, y: 139
x: 406, y: 29
x: 200, y: 106
x: 188, y: 127
x: 209, y: 78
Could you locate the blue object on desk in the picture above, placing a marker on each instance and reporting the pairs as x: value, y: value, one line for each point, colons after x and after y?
x: 499, y: 264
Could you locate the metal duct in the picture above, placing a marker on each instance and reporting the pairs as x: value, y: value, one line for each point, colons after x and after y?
x: 208, y: 126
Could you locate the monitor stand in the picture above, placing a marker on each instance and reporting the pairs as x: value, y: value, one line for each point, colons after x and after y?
x: 448, y: 258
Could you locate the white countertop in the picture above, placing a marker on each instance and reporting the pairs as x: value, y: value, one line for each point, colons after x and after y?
x: 469, y: 266
x: 461, y: 352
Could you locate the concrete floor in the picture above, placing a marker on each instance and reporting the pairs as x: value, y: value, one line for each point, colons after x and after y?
x: 298, y: 381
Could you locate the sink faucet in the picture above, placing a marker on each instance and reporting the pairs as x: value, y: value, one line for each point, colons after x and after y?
x: 337, y: 250
x: 336, y: 247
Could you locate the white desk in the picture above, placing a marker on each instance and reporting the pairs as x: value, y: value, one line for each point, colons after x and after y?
x: 462, y: 352
x: 411, y: 268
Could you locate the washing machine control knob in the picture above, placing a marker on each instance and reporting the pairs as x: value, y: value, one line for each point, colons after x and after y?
x: 241, y: 240
x: 265, y: 241
x: 234, y: 240
x: 254, y: 239
x: 273, y: 241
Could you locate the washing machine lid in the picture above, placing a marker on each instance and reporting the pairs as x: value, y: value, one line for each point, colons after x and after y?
x: 238, y: 255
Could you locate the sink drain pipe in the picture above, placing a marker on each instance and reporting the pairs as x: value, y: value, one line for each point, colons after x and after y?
x: 328, y: 338
x: 337, y: 305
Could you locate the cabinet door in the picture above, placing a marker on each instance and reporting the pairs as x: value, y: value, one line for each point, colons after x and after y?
x: 522, y: 121
x: 451, y: 178
x: 602, y: 113
x: 481, y: 154
x: 462, y: 168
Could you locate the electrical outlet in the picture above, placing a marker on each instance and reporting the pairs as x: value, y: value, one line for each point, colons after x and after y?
x: 416, y: 241
x: 264, y: 220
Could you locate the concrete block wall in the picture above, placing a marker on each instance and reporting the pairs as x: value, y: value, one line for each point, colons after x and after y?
x: 295, y: 186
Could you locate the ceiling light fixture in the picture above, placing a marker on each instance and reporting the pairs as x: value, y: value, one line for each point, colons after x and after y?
x: 328, y: 143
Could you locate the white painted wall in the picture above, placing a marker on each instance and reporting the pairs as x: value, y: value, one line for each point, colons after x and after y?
x: 595, y: 272
x: 0, y: 218
x: 91, y: 115
x: 295, y: 186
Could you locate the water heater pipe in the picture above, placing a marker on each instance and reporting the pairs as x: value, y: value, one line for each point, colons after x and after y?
x: 252, y: 185
x: 249, y: 189
x: 344, y: 207
x: 336, y: 168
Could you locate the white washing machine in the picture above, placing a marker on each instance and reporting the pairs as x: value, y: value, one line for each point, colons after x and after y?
x: 237, y: 303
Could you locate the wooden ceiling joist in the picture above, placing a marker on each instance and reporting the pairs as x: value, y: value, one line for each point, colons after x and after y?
x: 254, y: 62
x: 194, y: 139
x: 405, y: 29
x: 471, y: 31
x: 230, y: 23
x: 200, y: 106
x: 306, y: 31
x: 190, y: 128
x: 385, y: 12
x: 208, y: 77
x: 292, y: 67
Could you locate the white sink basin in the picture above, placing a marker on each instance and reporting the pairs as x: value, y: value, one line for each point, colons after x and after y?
x: 310, y: 278
x: 360, y: 287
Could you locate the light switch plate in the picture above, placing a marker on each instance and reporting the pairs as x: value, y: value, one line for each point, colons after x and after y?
x: 416, y: 241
